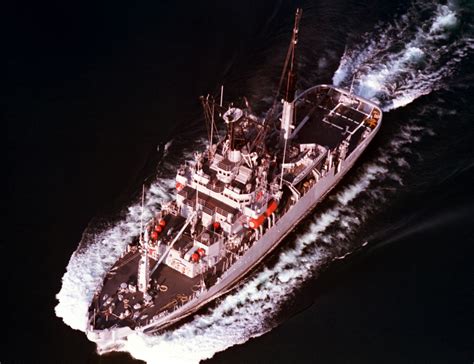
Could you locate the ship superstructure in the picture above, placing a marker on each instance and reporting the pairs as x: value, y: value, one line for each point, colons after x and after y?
x: 235, y: 201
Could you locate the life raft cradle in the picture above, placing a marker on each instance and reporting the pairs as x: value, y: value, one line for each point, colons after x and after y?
x: 255, y: 223
x: 373, y: 120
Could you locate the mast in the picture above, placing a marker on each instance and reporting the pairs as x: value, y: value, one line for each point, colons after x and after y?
x: 144, y: 262
x: 288, y: 101
x: 287, y: 115
x: 212, y: 133
x: 209, y: 115
x: 141, y: 215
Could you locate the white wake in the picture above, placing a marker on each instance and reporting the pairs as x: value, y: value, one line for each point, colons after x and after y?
x: 394, y: 66
x: 410, y: 58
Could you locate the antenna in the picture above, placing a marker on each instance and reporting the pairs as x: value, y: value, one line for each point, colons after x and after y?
x: 143, y: 263
x: 212, y: 130
x: 141, y: 217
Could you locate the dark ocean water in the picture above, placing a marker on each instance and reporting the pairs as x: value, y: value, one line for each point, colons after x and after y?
x: 99, y: 98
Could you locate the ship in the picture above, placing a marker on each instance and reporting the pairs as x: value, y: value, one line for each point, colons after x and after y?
x: 235, y: 202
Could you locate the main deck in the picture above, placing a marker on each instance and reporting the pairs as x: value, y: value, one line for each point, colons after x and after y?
x: 323, y: 118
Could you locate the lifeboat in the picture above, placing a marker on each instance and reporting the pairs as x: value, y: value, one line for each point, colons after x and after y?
x: 255, y: 223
